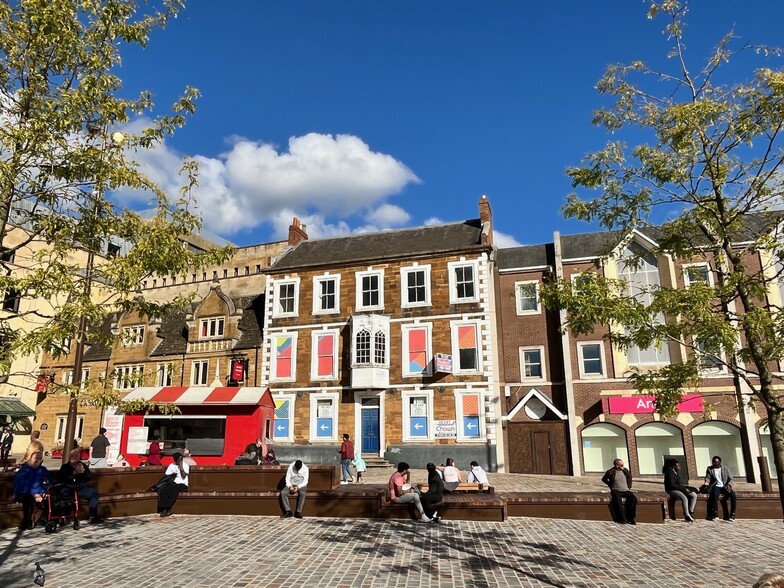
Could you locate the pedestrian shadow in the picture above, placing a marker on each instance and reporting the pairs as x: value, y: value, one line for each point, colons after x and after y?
x: 437, y: 544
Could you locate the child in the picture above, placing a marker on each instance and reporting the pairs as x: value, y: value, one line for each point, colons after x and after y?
x: 360, y: 466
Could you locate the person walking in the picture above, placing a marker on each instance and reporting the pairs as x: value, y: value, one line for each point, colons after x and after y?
x: 346, y: 452
x: 619, y: 480
x: 297, y: 477
x: 35, y: 446
x: 6, y: 441
x: 673, y: 487
x: 169, y: 493
x: 719, y: 481
x: 98, y: 449
x: 360, y: 466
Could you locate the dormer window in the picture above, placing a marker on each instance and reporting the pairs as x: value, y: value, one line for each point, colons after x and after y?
x: 211, y: 328
x: 133, y: 335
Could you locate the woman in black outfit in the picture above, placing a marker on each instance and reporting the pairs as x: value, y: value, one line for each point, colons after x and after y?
x: 434, y: 494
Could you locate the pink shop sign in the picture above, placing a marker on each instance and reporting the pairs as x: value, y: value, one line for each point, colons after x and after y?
x: 644, y: 404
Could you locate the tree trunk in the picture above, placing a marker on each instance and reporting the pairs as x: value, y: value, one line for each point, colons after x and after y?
x: 776, y: 427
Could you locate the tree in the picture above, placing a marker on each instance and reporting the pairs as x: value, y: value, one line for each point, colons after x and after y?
x: 708, y: 160
x: 62, y: 156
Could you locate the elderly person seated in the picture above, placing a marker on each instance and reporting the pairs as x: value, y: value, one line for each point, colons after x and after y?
x: 30, y: 484
x: 76, y: 474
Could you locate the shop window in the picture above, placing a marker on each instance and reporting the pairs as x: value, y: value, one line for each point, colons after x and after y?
x: 465, y: 347
x: 654, y: 441
x: 133, y: 335
x: 326, y: 297
x: 284, y: 357
x: 463, y: 284
x: 128, y: 376
x: 532, y: 363
x: 468, y: 409
x: 416, y: 350
x: 284, y: 425
x: 202, y: 434
x: 417, y: 415
x: 370, y: 290
x: 211, y: 328
x: 286, y: 294
x: 603, y: 443
x: 324, y: 356
x: 591, y: 359
x: 323, y: 422
x: 527, y: 298
x: 718, y: 438
x: 415, y: 283
x: 164, y: 374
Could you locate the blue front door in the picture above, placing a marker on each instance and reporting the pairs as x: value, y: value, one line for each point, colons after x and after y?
x: 370, y: 430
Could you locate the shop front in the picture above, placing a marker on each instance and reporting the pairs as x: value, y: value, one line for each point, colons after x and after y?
x: 214, y: 423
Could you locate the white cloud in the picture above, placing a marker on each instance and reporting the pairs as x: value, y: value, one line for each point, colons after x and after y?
x: 505, y: 240
x: 253, y: 183
x: 434, y: 220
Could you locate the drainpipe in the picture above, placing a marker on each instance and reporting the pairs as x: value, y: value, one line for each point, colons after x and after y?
x: 566, y: 354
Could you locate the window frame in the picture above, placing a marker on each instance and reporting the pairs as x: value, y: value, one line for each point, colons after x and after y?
x: 68, y: 377
x: 452, y: 267
x: 133, y: 335
x: 518, y: 298
x: 161, y: 369
x: 291, y: 399
x: 220, y: 328
x: 404, y: 288
x: 60, y: 427
x: 205, y: 373
x: 128, y: 371
x: 277, y: 312
x: 581, y: 345
x: 457, y: 367
x: 293, y: 335
x: 719, y: 370
x: 314, y: 354
x: 482, y: 432
x: 406, y: 397
x: 404, y: 330
x: 379, y: 273
x: 334, y: 398
x: 687, y: 283
x: 542, y: 363
x: 317, y: 281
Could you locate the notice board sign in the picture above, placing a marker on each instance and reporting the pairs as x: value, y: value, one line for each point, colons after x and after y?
x: 445, y: 429
x: 137, y: 440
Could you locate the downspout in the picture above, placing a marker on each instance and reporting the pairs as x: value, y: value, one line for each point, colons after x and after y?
x: 566, y: 347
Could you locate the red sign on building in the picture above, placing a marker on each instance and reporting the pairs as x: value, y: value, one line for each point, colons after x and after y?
x: 42, y: 384
x: 238, y: 370
x: 644, y: 404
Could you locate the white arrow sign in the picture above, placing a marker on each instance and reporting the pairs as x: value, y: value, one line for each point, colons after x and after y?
x: 470, y: 426
x: 418, y: 426
x: 324, y: 427
x: 280, y: 428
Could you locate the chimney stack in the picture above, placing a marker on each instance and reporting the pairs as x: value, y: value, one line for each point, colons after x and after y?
x: 297, y: 233
x: 486, y: 217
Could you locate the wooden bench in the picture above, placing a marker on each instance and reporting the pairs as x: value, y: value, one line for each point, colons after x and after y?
x: 594, y: 506
x: 751, y: 505
x: 463, y: 506
x: 9, y: 463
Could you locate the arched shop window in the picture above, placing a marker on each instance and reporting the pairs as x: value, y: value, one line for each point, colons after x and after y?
x: 767, y: 449
x: 654, y: 441
x: 603, y: 443
x: 718, y: 438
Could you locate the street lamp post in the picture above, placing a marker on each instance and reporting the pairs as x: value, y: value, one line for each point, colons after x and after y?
x: 116, y: 139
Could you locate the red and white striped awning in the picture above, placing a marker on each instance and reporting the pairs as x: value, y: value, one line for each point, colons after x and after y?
x: 199, y: 395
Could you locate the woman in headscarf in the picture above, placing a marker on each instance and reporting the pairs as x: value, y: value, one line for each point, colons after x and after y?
x: 434, y: 494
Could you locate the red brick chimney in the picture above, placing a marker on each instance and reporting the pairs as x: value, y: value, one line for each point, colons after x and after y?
x: 486, y: 216
x: 297, y: 233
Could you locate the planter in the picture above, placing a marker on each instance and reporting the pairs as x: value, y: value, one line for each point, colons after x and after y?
x: 57, y: 453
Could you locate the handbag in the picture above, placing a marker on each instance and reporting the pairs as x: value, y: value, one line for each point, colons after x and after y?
x: 705, y: 488
x: 165, y: 480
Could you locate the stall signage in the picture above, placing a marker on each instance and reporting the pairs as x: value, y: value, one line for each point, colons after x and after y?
x: 42, y: 383
x: 113, y: 423
x: 445, y: 429
x: 443, y: 363
x: 137, y: 440
x: 644, y: 404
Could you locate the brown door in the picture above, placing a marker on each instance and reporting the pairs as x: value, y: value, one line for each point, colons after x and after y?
x: 541, y: 452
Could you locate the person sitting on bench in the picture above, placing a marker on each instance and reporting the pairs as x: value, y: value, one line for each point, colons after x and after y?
x: 620, y: 490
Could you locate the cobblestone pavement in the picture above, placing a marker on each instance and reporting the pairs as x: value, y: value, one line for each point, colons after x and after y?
x: 190, y: 551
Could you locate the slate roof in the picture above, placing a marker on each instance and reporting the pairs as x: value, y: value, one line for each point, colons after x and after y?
x: 100, y: 351
x: 589, y: 244
x: 251, y: 321
x: 173, y: 334
x: 526, y: 256
x: 384, y: 245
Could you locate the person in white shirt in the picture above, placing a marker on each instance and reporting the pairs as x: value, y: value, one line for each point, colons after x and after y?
x: 169, y: 493
x: 477, y: 475
x: 296, y: 485
x: 452, y: 476
x: 719, y: 481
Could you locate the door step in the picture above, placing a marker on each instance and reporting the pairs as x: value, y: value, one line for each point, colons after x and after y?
x: 376, y: 462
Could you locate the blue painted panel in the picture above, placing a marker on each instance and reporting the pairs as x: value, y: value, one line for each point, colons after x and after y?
x: 324, y: 427
x: 471, y: 426
x: 418, y: 427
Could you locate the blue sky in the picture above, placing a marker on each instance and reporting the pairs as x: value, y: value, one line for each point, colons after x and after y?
x: 385, y: 114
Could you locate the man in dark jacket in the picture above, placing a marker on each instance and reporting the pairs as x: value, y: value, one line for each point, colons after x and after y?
x: 620, y: 489
x: 719, y: 480
x: 76, y: 474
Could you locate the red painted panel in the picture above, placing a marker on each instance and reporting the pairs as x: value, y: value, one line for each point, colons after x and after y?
x: 644, y: 404
x: 169, y: 394
x: 223, y: 395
